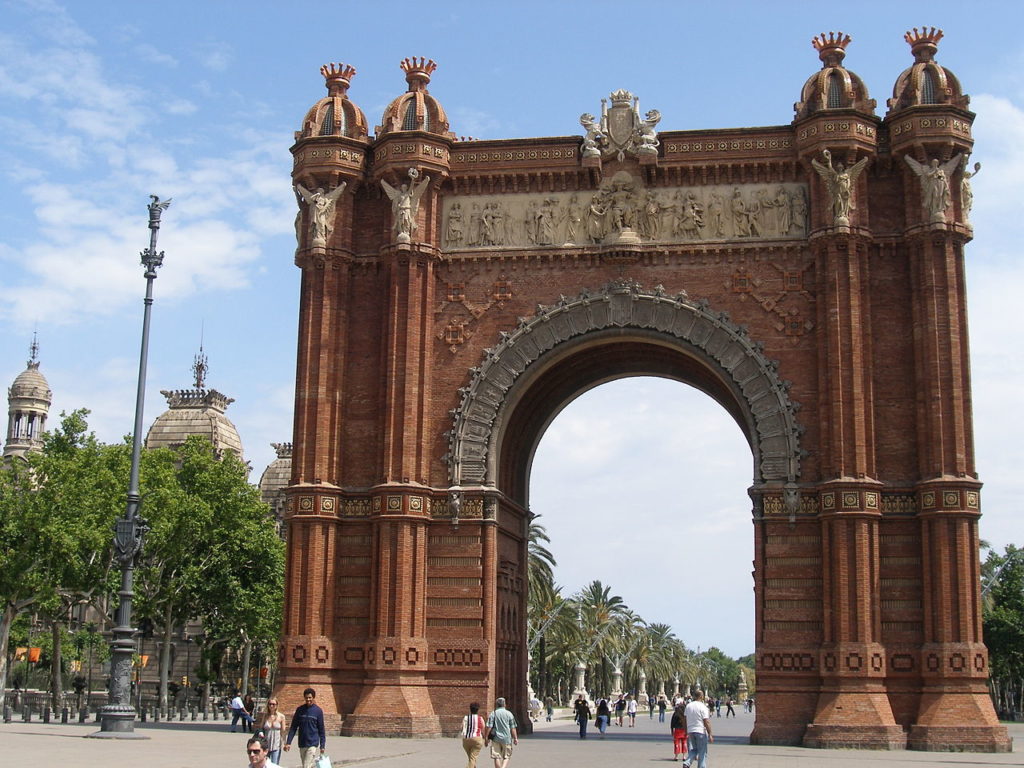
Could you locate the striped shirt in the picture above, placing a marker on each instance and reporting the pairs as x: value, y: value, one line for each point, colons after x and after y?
x: 472, y: 727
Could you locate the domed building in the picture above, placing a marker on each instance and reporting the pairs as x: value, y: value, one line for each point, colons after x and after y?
x: 833, y: 87
x: 416, y: 109
x: 28, y: 404
x: 197, y: 411
x: 275, y: 478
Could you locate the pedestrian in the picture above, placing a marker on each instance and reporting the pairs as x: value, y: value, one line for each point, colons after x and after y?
x: 718, y: 707
x: 308, y: 722
x: 620, y: 709
x: 651, y: 702
x: 549, y: 707
x: 581, y: 712
x: 256, y: 749
x: 603, y: 715
x: 535, y: 709
x: 678, y: 728
x: 272, y: 730
x: 238, y: 712
x: 631, y: 706
x: 662, y: 706
x: 698, y: 731
x: 472, y: 734
x: 501, y: 733
x: 728, y: 707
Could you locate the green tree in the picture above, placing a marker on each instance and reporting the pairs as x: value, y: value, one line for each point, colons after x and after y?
x: 1003, y: 626
x: 212, y: 552
x: 57, y: 509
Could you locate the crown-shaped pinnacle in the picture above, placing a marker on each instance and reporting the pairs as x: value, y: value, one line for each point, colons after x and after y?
x: 338, y: 77
x: 417, y: 71
x: 831, y: 48
x: 925, y: 43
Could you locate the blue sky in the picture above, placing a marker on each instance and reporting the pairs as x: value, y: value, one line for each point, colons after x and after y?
x: 102, y: 104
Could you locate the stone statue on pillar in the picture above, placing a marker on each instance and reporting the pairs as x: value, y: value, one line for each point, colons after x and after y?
x: 321, y: 212
x: 405, y: 203
x: 839, y: 181
x: 934, y: 178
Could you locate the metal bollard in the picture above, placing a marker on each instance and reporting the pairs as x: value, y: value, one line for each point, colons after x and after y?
x: 181, y: 714
x: 195, y: 714
x: 46, y: 714
x: 64, y: 715
x: 204, y: 716
x: 83, y: 714
x: 143, y: 714
x: 156, y: 714
x: 8, y: 714
x: 26, y: 714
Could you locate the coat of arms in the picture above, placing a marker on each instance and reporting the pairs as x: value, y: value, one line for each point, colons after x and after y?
x: 621, y: 130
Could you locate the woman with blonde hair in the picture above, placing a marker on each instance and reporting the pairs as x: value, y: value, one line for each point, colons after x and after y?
x: 472, y: 734
x: 272, y: 728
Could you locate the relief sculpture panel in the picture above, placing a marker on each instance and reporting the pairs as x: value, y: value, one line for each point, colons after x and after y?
x: 623, y: 207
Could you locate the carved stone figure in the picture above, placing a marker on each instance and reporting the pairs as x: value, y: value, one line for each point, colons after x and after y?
x: 597, y: 215
x: 691, y: 217
x: 594, y: 139
x: 739, y: 214
x: 490, y: 223
x: 754, y: 214
x: 783, y: 211
x: 966, y: 194
x: 454, y: 232
x: 934, y: 178
x: 798, y: 208
x: 573, y: 221
x: 405, y: 203
x: 530, y: 222
x: 716, y: 215
x: 646, y: 135
x: 839, y: 182
x: 475, y: 226
x: 650, y: 217
x: 546, y: 222
x: 321, y: 212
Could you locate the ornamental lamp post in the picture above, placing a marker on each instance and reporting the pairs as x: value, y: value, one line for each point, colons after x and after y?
x: 117, y: 717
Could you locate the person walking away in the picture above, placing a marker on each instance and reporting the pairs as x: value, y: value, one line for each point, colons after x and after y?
x: 308, y: 722
x: 535, y: 709
x: 256, y: 749
x: 604, y: 715
x: 472, y: 734
x: 502, y: 733
x: 651, y: 703
x: 549, y: 707
x: 662, y: 706
x: 728, y: 707
x: 620, y: 709
x: 698, y: 731
x: 581, y: 713
x: 631, y: 710
x: 238, y: 712
x: 678, y: 727
x: 272, y: 731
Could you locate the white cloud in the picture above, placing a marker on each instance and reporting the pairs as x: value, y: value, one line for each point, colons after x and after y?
x: 151, y: 55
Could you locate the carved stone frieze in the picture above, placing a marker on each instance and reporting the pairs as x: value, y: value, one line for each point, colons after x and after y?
x: 622, y: 208
x: 722, y: 344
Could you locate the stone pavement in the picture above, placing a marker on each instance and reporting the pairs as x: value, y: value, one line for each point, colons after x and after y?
x: 211, y: 745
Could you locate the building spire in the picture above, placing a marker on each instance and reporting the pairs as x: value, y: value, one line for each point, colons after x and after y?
x: 33, y: 351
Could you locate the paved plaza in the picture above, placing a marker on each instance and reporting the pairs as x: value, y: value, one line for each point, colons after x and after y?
x: 211, y: 745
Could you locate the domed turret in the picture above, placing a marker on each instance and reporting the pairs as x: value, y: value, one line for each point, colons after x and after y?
x: 416, y: 109
x: 275, y: 478
x: 833, y: 86
x: 198, y: 411
x: 926, y: 82
x: 335, y: 114
x: 28, y: 403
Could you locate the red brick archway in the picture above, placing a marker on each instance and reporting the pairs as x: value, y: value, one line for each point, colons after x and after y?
x: 436, y: 344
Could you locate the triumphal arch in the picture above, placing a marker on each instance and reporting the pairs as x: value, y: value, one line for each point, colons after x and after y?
x: 457, y: 293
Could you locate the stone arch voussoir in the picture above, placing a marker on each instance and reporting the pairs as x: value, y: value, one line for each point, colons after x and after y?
x: 722, y: 344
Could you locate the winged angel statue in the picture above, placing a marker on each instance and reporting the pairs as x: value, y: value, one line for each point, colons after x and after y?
x: 321, y: 212
x: 839, y: 181
x: 934, y: 178
x: 405, y: 202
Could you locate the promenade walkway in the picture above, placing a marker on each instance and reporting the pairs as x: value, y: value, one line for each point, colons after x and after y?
x: 554, y: 745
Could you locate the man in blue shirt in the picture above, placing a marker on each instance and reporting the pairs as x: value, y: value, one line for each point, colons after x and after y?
x: 308, y: 720
x: 501, y: 733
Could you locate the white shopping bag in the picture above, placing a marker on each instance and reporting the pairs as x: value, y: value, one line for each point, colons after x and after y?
x: 323, y: 761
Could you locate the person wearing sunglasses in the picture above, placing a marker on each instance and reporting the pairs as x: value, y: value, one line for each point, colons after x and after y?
x: 256, y: 748
x: 272, y: 730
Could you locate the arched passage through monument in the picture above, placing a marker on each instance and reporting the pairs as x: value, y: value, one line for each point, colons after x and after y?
x: 580, y: 343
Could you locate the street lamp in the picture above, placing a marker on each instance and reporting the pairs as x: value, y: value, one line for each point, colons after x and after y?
x: 117, y: 717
